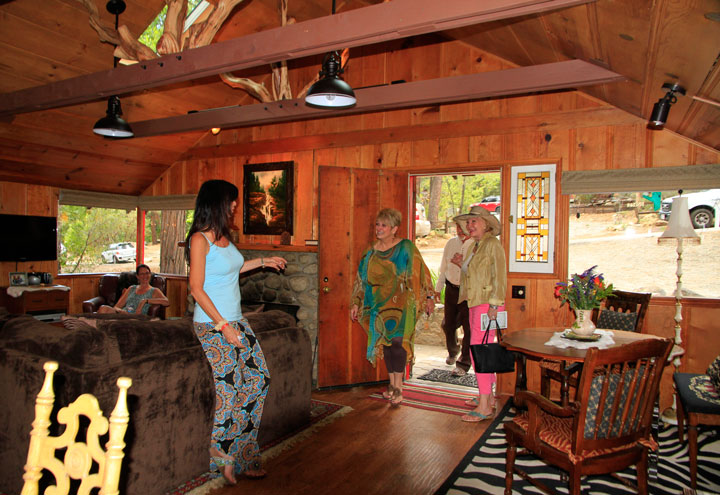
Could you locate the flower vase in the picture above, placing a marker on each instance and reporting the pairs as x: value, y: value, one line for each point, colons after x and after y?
x: 583, y: 324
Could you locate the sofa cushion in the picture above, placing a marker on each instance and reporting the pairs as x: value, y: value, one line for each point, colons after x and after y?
x: 269, y: 320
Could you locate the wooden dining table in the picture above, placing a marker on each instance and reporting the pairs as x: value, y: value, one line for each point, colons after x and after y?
x: 529, y: 343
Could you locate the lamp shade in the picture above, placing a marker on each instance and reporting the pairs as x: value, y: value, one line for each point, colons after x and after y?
x: 679, y: 225
x: 331, y: 92
x: 112, y: 125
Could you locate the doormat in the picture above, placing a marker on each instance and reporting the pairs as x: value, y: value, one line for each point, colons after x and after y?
x: 432, y: 398
x: 446, y: 376
x: 321, y: 414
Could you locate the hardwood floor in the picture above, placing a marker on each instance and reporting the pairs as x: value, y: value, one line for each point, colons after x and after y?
x: 375, y: 449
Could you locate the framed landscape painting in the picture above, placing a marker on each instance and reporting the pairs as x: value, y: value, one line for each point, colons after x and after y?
x: 268, y: 198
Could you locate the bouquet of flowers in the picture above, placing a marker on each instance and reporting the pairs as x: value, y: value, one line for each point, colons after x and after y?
x: 584, y: 291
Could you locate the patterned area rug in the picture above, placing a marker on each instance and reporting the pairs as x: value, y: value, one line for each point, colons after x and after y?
x: 446, y: 376
x: 482, y: 471
x: 432, y: 398
x: 321, y: 414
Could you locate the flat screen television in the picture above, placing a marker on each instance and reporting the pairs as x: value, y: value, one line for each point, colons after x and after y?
x: 28, y: 238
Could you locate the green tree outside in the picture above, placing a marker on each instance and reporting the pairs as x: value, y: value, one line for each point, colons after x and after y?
x: 87, y: 232
x: 152, y: 33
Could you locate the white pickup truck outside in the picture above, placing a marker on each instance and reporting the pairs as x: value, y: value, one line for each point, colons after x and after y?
x: 702, y: 205
x: 119, y: 252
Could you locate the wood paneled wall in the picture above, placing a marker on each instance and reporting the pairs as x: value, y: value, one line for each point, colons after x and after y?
x: 567, y: 128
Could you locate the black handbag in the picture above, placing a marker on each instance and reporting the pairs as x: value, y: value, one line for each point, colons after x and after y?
x: 492, y: 357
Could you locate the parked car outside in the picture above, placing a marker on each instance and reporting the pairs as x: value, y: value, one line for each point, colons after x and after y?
x: 702, y: 206
x: 490, y: 203
x: 119, y: 252
x: 422, y: 226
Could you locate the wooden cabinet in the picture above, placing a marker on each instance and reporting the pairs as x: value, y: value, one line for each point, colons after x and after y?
x: 37, y: 301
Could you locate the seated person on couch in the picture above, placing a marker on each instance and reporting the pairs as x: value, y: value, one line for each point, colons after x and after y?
x: 138, y: 298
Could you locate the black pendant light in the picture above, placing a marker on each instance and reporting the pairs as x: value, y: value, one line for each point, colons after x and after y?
x: 660, y: 111
x: 331, y: 91
x: 112, y: 125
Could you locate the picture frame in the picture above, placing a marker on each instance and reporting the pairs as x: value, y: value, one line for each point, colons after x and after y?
x: 268, y: 200
x: 18, y: 278
x: 532, y: 226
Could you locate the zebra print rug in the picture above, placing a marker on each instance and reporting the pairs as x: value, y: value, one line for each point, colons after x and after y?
x: 482, y: 470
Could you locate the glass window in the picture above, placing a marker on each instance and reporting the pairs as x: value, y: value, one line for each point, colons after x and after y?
x: 96, y: 239
x: 163, y: 230
x: 619, y: 233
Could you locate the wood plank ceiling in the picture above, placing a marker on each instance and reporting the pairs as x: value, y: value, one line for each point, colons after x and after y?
x: 649, y: 42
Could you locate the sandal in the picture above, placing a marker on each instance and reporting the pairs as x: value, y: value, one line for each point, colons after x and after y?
x: 475, y: 401
x: 458, y: 372
x: 388, y: 394
x: 223, y: 463
x: 475, y: 417
x: 397, y: 397
x: 256, y: 471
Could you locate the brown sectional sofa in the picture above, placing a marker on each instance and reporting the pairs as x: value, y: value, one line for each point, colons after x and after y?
x: 171, y: 400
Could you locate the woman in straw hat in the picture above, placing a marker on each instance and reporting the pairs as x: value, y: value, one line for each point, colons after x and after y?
x: 483, y: 282
x: 392, y: 289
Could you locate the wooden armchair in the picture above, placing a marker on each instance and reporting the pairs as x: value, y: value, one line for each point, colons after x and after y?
x: 624, y: 311
x: 79, y: 458
x: 608, y: 425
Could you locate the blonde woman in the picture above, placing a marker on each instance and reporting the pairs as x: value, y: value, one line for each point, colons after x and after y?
x: 392, y: 289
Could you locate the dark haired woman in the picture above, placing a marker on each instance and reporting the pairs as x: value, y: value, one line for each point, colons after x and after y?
x: 392, y: 289
x: 138, y: 298
x: 239, y: 369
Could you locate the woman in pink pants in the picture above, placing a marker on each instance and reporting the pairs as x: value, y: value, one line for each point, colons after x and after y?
x: 483, y: 283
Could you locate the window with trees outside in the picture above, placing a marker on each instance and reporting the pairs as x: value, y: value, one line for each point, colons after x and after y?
x: 101, y: 240
x: 619, y: 233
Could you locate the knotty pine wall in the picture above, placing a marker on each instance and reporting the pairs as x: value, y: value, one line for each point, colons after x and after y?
x: 567, y: 128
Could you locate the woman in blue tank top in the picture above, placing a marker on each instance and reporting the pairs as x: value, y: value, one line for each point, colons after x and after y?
x: 239, y: 369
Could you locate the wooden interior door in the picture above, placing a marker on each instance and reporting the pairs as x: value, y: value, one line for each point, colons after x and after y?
x: 349, y: 200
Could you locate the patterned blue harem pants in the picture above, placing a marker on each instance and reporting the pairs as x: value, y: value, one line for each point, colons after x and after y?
x: 241, y: 385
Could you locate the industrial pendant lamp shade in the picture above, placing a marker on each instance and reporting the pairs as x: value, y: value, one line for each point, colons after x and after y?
x: 331, y: 91
x: 660, y: 111
x: 112, y: 125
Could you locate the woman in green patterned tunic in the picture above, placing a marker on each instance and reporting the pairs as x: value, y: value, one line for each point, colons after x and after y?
x: 392, y: 289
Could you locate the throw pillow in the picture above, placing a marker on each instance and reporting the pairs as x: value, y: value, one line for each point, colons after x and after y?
x: 615, y: 320
x: 713, y: 372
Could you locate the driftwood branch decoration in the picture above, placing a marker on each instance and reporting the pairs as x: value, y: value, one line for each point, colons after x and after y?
x: 174, y: 40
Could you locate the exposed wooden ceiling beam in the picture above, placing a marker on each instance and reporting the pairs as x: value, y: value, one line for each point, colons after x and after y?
x: 541, y: 122
x: 368, y: 25
x: 522, y: 80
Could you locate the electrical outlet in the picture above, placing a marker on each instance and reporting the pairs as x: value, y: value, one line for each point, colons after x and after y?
x: 518, y: 292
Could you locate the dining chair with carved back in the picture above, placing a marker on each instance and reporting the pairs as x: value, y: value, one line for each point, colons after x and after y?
x: 605, y: 429
x: 622, y: 311
x: 76, y: 456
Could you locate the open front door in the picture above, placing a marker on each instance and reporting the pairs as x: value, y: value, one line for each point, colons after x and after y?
x: 349, y: 199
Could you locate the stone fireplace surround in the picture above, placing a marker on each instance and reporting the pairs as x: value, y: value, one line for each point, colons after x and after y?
x: 296, y: 285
